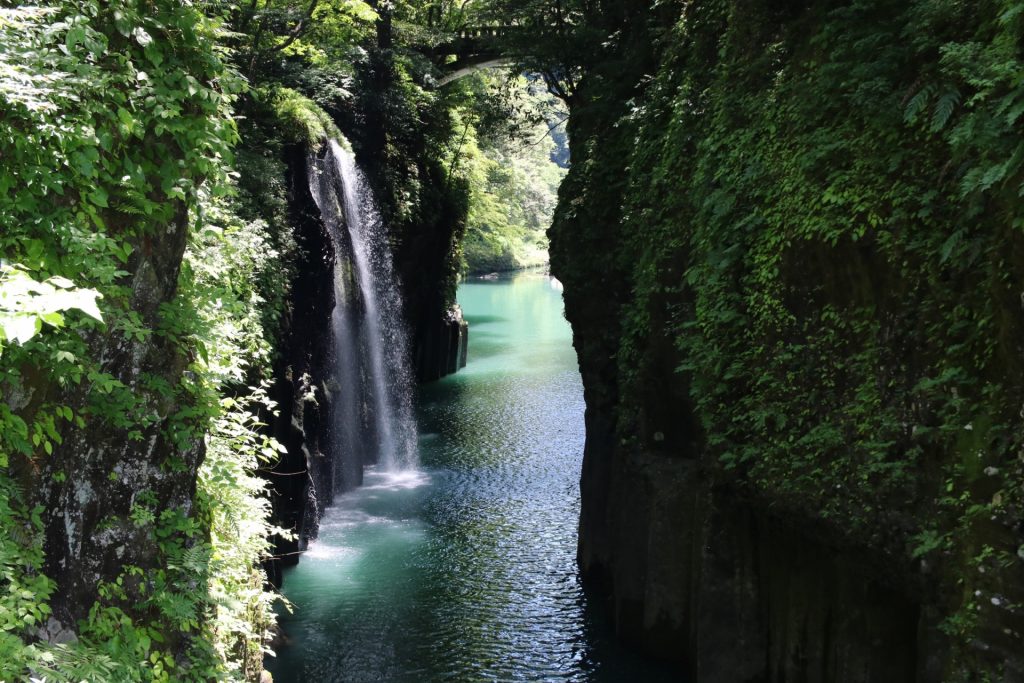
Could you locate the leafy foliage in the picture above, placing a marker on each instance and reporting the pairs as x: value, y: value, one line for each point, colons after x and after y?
x: 25, y: 305
x: 226, y: 265
x: 513, y: 181
x: 117, y: 134
x: 303, y: 121
x: 821, y: 219
x: 316, y: 31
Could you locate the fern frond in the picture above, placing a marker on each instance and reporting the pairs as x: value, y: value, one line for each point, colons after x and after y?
x: 918, y: 102
x: 944, y: 108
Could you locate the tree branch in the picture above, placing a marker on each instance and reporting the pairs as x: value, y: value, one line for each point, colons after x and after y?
x: 299, y: 29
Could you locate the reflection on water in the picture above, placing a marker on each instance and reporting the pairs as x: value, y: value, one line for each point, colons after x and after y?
x: 465, y: 570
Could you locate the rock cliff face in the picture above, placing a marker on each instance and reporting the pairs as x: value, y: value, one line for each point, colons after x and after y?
x: 737, y: 594
x: 760, y: 244
x: 89, y: 532
x: 442, y: 347
x: 426, y: 235
x: 303, y: 479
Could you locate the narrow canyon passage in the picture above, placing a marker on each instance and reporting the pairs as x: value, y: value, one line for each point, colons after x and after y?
x: 747, y: 401
x: 464, y: 569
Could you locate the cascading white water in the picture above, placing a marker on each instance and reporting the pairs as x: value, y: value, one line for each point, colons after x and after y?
x: 372, y: 394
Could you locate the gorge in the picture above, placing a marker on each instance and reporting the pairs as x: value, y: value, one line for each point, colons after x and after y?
x: 235, y: 337
x: 465, y: 567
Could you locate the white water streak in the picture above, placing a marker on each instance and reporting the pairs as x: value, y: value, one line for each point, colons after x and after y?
x: 373, y: 398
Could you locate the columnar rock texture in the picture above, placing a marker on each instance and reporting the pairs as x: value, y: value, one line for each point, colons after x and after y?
x: 443, y: 347
x: 792, y: 253
x: 303, y: 479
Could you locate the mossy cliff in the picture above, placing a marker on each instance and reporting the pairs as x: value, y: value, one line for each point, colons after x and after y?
x: 792, y: 250
x: 127, y: 436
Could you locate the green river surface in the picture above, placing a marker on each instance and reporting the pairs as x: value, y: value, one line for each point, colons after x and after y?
x: 465, y: 569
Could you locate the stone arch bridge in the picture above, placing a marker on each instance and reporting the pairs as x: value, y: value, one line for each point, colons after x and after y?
x: 476, y: 48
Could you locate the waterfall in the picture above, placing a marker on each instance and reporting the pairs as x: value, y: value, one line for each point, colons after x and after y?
x: 370, y: 391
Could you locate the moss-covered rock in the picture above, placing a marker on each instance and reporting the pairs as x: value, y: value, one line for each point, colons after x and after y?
x: 806, y: 221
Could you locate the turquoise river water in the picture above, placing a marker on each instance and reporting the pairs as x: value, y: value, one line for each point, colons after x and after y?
x: 464, y: 569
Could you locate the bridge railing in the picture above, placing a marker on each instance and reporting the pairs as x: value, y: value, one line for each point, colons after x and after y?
x: 486, y: 32
x: 480, y: 40
x: 471, y: 34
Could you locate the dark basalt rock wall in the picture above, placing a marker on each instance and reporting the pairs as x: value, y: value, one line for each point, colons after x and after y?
x: 792, y: 562
x: 697, y: 574
x: 302, y: 481
x: 442, y: 347
x: 425, y: 264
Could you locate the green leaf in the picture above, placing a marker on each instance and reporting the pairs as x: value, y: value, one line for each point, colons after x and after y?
x: 141, y: 37
x: 125, y: 117
x: 917, y: 103
x: 944, y: 110
x: 53, y: 318
x: 19, y: 327
x: 99, y: 197
x: 153, y: 54
x: 949, y: 245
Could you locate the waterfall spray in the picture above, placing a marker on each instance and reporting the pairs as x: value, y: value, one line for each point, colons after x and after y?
x: 371, y: 396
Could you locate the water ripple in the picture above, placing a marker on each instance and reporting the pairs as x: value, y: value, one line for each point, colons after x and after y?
x: 465, y: 570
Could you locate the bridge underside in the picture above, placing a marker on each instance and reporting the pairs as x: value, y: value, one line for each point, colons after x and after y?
x: 468, y: 67
x: 476, y: 49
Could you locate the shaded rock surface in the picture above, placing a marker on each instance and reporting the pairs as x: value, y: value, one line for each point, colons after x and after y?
x: 776, y: 564
x: 443, y: 348
x: 302, y: 480
x: 89, y: 534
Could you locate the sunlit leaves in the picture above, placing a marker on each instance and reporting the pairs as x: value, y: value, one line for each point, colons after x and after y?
x: 114, y: 117
x: 313, y: 30
x: 513, y: 186
x: 27, y: 304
